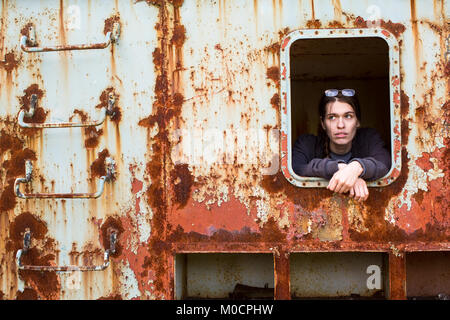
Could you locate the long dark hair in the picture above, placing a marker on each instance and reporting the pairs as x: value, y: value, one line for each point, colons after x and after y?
x: 324, y: 100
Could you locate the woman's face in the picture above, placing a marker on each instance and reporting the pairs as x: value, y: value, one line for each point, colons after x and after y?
x: 340, y: 123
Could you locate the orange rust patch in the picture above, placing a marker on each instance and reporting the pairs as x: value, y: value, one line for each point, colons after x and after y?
x: 179, y: 35
x: 136, y: 186
x: 8, y: 197
x: 309, y: 199
x: 13, y: 167
x: 18, y: 227
x: 39, y: 114
x: 379, y: 228
x: 25, y: 31
x: 176, y: 3
x: 104, y: 98
x: 112, y: 224
x: 335, y: 24
x: 16, y: 165
x: 275, y: 101
x: 424, y: 162
x: 98, y: 167
x: 395, y: 28
x: 177, y: 99
x: 313, y: 24
x: 104, y: 101
x: 46, y: 283
x: 109, y: 23
x: 273, y: 73
x: 92, y: 137
x: 10, y: 62
x: 269, y: 233
x: 25, y: 100
x: 157, y: 57
x: 273, y: 48
x: 182, y: 181
x: 283, y: 32
x: 91, y: 134
x: 360, y: 22
x: 27, y: 294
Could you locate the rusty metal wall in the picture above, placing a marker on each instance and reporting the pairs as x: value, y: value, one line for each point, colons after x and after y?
x: 196, y: 142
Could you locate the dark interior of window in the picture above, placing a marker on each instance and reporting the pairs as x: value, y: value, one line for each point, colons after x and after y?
x: 358, y: 63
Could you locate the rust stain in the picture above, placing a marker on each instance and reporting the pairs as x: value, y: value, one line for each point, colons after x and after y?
x: 397, y: 277
x: 395, y: 28
x: 46, y: 284
x: 337, y: 9
x: 91, y: 134
x: 104, y: 99
x: 62, y: 30
x: 179, y: 35
x: 182, y: 180
x: 273, y: 73
x: 167, y: 109
x: 112, y: 225
x: 12, y: 167
x: 98, y: 167
x: 313, y: 24
x: 281, y: 275
x: 10, y: 63
x: 335, y: 24
x: 109, y: 23
x: 309, y: 199
x: 275, y: 101
x: 27, y: 294
x: 25, y: 31
x: 269, y: 233
x: 39, y: 114
x: 378, y: 227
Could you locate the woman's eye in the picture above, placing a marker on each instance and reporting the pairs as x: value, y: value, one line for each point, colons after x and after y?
x: 331, y: 117
x: 349, y: 116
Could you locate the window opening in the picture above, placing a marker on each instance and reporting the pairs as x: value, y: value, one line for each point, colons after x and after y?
x: 366, y: 60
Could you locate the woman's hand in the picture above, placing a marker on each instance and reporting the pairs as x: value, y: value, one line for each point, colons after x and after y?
x: 359, y: 191
x: 345, y: 178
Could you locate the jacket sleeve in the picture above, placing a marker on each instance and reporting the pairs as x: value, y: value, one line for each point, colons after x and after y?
x: 304, y: 163
x: 378, y: 160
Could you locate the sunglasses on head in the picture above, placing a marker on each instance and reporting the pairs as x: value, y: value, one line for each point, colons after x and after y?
x: 335, y: 92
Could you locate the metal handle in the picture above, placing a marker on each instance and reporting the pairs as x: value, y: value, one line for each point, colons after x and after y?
x: 26, y: 247
x: 110, y: 171
x: 33, y: 102
x: 28, y: 44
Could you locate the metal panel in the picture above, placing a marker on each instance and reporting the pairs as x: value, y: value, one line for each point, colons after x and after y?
x: 197, y: 141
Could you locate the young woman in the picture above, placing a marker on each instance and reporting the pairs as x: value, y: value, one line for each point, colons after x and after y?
x: 343, y: 153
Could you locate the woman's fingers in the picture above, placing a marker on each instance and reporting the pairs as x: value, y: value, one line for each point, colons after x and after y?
x: 361, y: 191
x: 332, y: 184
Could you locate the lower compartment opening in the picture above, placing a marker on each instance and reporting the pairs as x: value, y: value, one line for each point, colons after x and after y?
x: 338, y: 275
x: 428, y: 275
x: 239, y: 276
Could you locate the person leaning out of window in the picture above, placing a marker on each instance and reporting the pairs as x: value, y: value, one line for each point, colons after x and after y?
x: 343, y: 152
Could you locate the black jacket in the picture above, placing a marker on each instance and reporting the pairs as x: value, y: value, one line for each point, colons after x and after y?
x: 367, y: 148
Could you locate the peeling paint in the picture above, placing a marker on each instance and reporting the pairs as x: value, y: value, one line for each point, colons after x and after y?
x: 173, y: 87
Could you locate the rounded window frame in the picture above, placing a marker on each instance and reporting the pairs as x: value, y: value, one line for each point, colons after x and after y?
x: 285, y: 105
